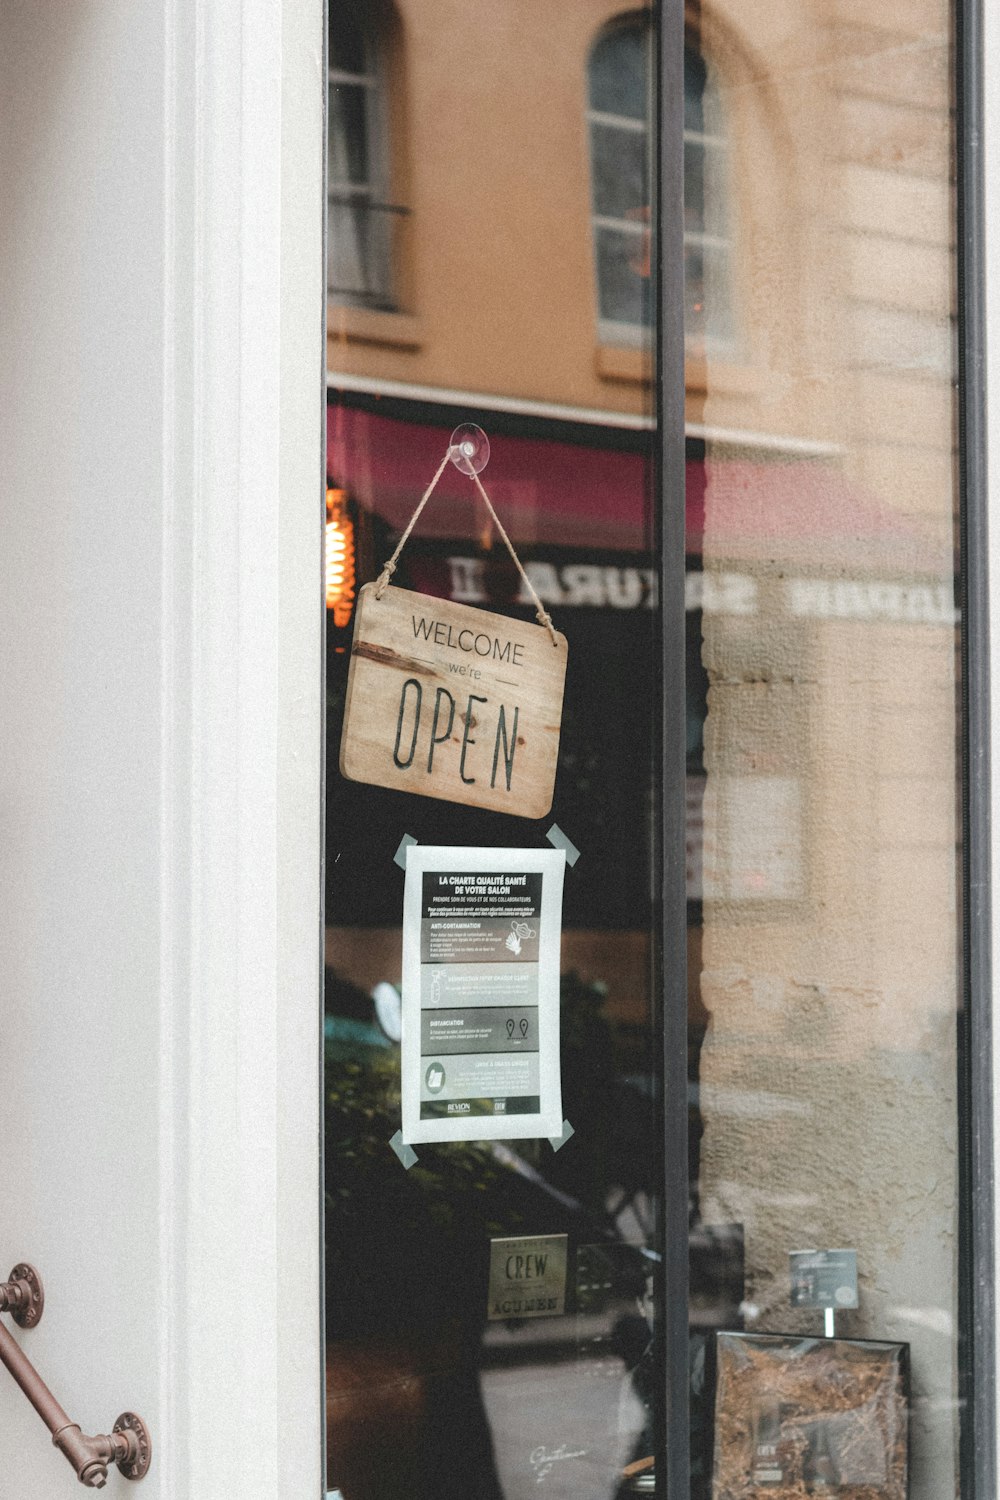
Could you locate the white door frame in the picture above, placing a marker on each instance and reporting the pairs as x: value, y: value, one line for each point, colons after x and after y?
x: 160, y: 1112
x: 248, y: 348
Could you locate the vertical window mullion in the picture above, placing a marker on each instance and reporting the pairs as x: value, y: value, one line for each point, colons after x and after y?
x: 673, y: 1458
x: 977, y: 1287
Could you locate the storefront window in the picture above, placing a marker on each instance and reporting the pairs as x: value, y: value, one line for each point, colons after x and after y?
x: 822, y: 779
x: 439, y: 1385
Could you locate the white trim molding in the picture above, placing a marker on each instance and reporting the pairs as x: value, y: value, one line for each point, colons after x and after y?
x: 242, y: 940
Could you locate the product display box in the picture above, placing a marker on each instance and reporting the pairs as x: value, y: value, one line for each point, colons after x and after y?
x: 802, y: 1416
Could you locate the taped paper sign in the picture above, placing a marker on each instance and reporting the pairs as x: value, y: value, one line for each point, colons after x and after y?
x: 528, y: 1277
x: 453, y: 702
x: 481, y: 944
x: 823, y: 1278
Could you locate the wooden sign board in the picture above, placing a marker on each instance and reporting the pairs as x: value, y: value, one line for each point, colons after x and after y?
x: 453, y: 702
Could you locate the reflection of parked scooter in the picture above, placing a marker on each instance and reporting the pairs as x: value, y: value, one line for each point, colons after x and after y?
x: 633, y: 1340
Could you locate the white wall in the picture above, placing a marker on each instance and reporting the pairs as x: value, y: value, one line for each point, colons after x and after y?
x: 160, y: 619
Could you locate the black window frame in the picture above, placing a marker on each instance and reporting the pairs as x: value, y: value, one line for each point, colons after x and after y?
x: 977, y: 1257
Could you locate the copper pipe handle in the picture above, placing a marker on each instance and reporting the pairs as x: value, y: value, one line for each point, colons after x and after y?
x: 128, y: 1446
x: 23, y: 1296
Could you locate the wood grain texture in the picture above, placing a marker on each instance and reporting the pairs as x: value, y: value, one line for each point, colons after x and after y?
x: 453, y: 702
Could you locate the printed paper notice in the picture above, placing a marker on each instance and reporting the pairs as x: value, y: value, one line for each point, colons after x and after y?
x: 481, y: 943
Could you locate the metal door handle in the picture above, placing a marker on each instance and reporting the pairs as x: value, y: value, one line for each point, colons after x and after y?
x: 23, y: 1296
x: 128, y: 1446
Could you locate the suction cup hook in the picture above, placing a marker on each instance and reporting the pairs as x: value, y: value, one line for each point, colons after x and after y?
x: 469, y: 449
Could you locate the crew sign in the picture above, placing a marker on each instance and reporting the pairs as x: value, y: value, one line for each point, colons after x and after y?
x: 454, y: 702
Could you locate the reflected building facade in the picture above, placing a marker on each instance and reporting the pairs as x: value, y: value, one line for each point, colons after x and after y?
x: 491, y: 259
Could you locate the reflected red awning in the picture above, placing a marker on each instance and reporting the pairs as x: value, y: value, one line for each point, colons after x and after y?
x: 559, y: 493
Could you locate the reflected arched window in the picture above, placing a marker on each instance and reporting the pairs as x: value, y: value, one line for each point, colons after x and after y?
x: 619, y: 113
x: 360, y: 215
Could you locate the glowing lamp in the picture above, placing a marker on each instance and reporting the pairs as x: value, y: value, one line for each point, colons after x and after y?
x: 339, y: 557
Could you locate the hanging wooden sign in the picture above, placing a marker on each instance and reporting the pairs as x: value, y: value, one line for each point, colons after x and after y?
x: 453, y: 702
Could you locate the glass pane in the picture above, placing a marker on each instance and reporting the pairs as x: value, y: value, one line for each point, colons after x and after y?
x: 620, y: 172
x: 619, y: 72
x: 358, y: 247
x: 347, y: 134
x: 695, y: 80
x: 824, y: 776
x: 444, y: 1380
x: 361, y: 225
x: 623, y: 276
x: 694, y: 186
x: 708, y: 304
x: 621, y: 190
x: 348, y: 53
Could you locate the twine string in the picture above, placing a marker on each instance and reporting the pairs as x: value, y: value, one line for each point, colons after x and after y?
x: 541, y: 613
x: 390, y: 567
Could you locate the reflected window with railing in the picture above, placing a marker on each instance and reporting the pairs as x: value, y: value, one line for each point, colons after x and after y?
x: 361, y: 215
